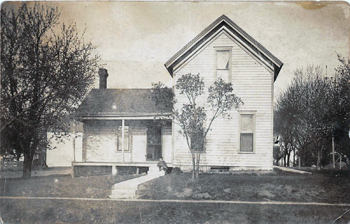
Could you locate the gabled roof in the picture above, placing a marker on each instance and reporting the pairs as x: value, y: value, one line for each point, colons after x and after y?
x: 118, y: 103
x: 244, y: 38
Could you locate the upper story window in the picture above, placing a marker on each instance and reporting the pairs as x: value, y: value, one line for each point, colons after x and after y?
x: 223, y: 60
x: 223, y: 63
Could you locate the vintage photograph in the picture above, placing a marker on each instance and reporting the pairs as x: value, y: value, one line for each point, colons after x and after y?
x: 175, y: 112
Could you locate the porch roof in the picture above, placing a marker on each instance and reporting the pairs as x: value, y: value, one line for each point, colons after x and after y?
x: 119, y: 103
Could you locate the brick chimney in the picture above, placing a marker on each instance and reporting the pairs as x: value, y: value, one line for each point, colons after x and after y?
x: 103, y: 78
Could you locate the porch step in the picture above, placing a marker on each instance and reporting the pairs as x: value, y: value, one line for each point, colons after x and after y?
x: 128, y: 189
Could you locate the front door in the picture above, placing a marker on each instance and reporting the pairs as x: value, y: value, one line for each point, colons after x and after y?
x: 154, y: 143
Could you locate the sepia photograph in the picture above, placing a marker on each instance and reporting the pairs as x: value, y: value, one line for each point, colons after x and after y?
x: 175, y: 112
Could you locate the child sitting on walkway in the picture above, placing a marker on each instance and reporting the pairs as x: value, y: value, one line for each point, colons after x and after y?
x: 162, y: 165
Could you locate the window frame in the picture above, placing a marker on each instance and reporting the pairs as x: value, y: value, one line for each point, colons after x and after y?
x: 240, y: 113
x: 216, y: 69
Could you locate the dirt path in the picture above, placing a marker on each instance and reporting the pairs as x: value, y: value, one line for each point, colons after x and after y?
x: 183, y: 201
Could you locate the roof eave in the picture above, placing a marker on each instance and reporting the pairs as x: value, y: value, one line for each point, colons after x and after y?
x: 277, y: 71
x: 170, y: 70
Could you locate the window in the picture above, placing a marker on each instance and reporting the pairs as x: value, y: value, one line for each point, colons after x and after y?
x: 247, y: 129
x: 223, y: 63
x: 127, y: 139
x: 223, y: 60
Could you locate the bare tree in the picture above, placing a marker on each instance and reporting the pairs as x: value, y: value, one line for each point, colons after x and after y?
x: 45, y: 70
x: 341, y: 105
x: 306, y: 116
x: 192, y: 117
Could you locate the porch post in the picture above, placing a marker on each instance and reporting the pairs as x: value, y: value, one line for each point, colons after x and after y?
x: 114, y: 170
x: 123, y: 132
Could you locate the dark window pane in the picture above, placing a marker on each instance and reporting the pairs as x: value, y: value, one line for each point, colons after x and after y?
x: 246, y: 142
x: 154, y: 142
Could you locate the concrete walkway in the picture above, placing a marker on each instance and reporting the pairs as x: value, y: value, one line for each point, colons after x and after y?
x: 128, y: 189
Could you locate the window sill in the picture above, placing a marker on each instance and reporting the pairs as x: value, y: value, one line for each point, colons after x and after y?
x: 246, y: 152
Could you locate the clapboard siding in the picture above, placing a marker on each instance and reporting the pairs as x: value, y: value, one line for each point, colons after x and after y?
x: 253, y: 83
x: 101, y: 142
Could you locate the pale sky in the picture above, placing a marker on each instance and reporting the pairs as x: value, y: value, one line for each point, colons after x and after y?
x: 135, y: 39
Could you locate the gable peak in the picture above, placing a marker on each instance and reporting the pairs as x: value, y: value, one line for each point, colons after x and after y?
x: 254, y: 45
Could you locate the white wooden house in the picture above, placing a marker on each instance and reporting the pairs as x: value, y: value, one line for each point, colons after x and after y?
x: 225, y: 50
x: 65, y: 150
x: 119, y: 128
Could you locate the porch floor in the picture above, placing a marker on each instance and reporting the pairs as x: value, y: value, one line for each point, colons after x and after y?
x: 131, y: 164
x: 114, y: 166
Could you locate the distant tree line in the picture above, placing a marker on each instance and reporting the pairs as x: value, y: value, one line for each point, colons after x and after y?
x: 312, y: 110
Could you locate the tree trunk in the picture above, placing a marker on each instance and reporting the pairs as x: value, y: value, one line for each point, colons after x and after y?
x: 294, y: 158
x: 29, y: 152
x: 27, y: 165
x: 302, y: 156
x: 319, y: 157
x: 198, y: 161
x: 193, y: 166
x: 18, y: 156
x: 288, y: 159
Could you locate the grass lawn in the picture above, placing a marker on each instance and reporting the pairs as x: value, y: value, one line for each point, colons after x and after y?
x: 61, y: 186
x: 275, y: 186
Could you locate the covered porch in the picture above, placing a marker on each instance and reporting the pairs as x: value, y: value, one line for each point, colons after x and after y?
x: 111, y: 145
x: 120, y: 130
